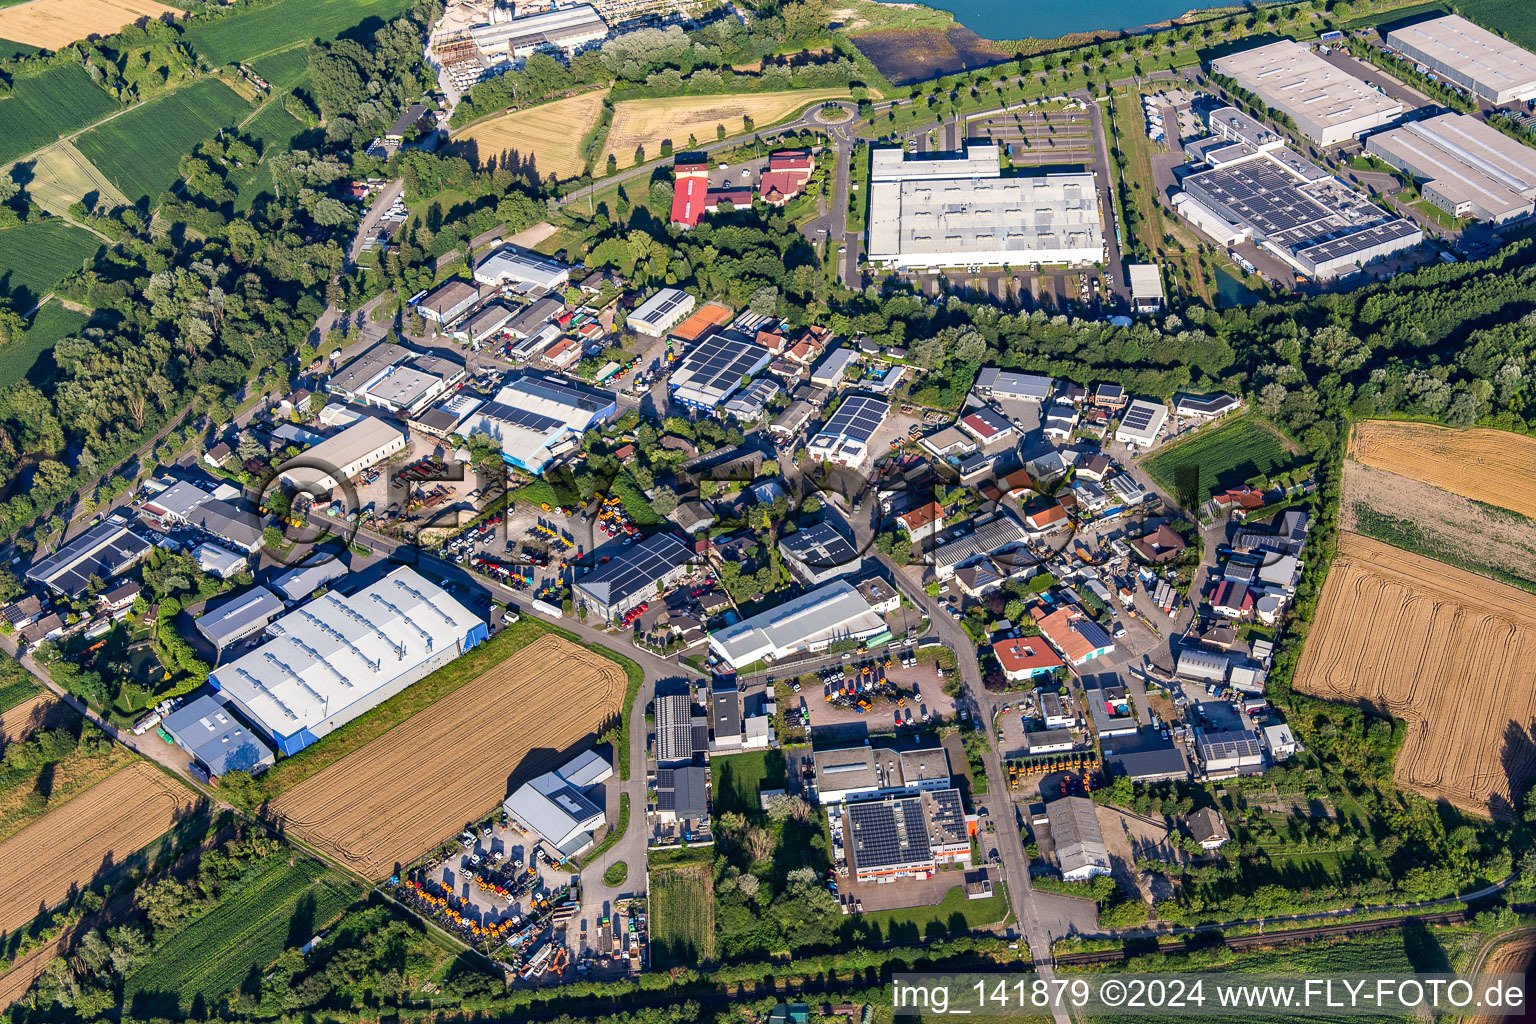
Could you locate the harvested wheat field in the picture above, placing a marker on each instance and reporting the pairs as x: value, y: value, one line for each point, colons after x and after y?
x: 97, y: 830
x: 53, y: 24
x: 42, y: 711
x: 551, y: 134
x: 649, y: 122
x: 1492, y: 466
x: 1450, y: 653
x: 395, y: 798
x: 61, y: 176
x: 1512, y: 956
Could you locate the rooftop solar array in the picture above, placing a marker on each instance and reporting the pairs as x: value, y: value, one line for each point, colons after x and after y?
x: 1139, y: 415
x: 858, y: 418
x: 660, y: 306
x: 102, y: 551
x: 714, y: 369
x: 635, y: 570
x: 889, y: 833
x: 819, y: 547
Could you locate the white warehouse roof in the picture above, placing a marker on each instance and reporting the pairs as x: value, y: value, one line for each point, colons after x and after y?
x: 815, y: 619
x: 1471, y: 56
x: 336, y: 657
x: 1328, y: 105
x: 512, y: 266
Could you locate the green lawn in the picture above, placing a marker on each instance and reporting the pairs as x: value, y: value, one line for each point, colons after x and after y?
x: 283, y: 906
x: 44, y: 106
x: 955, y: 915
x: 141, y: 151
x: 682, y: 906
x: 33, y: 258
x: 52, y: 322
x: 1216, y: 458
x: 737, y: 778
x: 260, y: 29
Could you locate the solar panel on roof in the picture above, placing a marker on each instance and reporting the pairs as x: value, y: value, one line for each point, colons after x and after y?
x: 857, y: 418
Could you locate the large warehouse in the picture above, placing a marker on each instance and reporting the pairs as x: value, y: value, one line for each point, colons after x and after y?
x: 810, y: 622
x: 1466, y: 168
x: 569, y: 28
x: 1290, y: 207
x: 1328, y: 105
x: 102, y: 552
x: 522, y: 271
x: 713, y: 370
x: 633, y: 575
x: 536, y: 415
x: 844, y: 440
x: 336, y: 657
x: 930, y: 213
x: 322, y: 468
x: 1470, y: 56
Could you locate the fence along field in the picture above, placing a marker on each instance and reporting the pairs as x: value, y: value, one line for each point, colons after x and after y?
x: 141, y: 151
x: 257, y: 30
x: 552, y: 134
x: 68, y: 847
x: 398, y: 796
x: 1449, y: 652
x: 1492, y: 466
x: 54, y: 24
x: 648, y: 122
x: 48, y: 104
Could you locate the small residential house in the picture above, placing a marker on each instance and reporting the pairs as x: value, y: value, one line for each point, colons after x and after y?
x: 922, y: 522
x: 1160, y: 546
x: 1024, y: 658
x: 1206, y: 828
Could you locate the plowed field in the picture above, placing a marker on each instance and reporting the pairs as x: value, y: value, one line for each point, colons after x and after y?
x: 1492, y: 466
x: 95, y: 831
x: 393, y: 799
x: 1450, y: 653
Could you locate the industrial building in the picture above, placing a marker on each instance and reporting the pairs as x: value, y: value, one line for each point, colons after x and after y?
x: 661, y: 312
x: 538, y: 416
x: 443, y: 419
x: 991, y: 536
x: 633, y: 575
x: 818, y: 554
x: 1463, y: 165
x: 1141, y: 423
x: 1146, y: 282
x: 240, y: 617
x: 102, y: 552
x: 1080, y: 850
x: 1470, y: 56
x: 1329, y: 106
x: 713, y: 370
x: 324, y: 467
x: 811, y: 622
x: 448, y: 301
x: 751, y: 402
x: 906, y: 837
x: 869, y: 773
x: 844, y: 439
x: 682, y: 794
x: 680, y: 734
x: 522, y: 271
x: 335, y: 658
x: 1284, y: 203
x: 558, y: 805
x: 570, y: 28
x: 300, y: 583
x: 1076, y: 637
x: 207, y: 729
x: 221, y: 562
x: 829, y: 373
x: 929, y: 213
x: 1012, y: 386
x: 395, y: 378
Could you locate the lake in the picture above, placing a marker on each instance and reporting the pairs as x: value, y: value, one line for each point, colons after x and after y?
x: 1046, y: 19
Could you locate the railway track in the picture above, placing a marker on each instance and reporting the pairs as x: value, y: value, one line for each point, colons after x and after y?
x: 1257, y: 941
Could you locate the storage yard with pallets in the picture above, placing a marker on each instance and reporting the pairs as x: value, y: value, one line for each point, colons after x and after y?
x: 395, y: 798
x: 650, y: 122
x: 69, y: 847
x: 1450, y: 653
x: 54, y: 24
x: 551, y: 134
x: 1491, y: 466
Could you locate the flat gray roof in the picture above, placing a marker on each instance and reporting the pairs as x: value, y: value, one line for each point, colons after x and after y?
x: 1492, y: 66
x: 1467, y: 160
x: 1325, y: 102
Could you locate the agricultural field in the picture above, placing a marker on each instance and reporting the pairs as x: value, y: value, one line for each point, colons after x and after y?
x: 552, y: 134
x: 1449, y: 653
x: 46, y: 105
x: 141, y: 151
x: 1222, y: 456
x: 24, y: 359
x: 648, y: 122
x: 393, y: 799
x: 69, y: 847
x: 284, y: 69
x: 1515, y: 19
x: 1512, y: 956
x: 16, y: 684
x: 278, y: 26
x: 1491, y: 466
x: 61, y: 177
x: 737, y: 779
x: 682, y: 901
x: 39, y: 712
x: 38, y: 255
x: 54, y: 24
x: 276, y: 130
x: 283, y: 906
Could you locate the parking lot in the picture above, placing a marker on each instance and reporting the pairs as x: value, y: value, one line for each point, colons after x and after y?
x: 1037, y: 138
x: 833, y: 702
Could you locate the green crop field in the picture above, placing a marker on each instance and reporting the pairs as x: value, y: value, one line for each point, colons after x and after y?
x: 284, y: 69
x: 282, y: 906
x: 44, y: 106
x: 16, y: 683
x: 38, y: 255
x: 1223, y: 457
x: 52, y: 322
x: 737, y: 778
x: 276, y: 129
x: 1514, y: 18
x: 279, y: 25
x: 682, y: 914
x: 141, y: 151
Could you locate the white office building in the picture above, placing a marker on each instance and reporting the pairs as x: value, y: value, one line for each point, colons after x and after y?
x: 1329, y: 105
x: 1141, y: 423
x: 1470, y: 56
x: 930, y: 213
